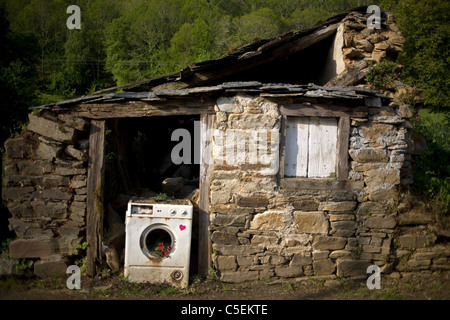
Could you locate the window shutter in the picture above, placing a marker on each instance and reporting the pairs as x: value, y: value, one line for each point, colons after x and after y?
x: 310, y: 149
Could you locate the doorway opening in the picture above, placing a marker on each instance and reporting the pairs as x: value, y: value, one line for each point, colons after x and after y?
x: 139, y: 165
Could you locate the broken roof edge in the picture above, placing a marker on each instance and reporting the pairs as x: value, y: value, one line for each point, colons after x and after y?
x: 249, y: 87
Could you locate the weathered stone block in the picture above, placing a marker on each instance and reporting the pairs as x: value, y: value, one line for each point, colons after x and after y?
x: 328, y: 243
x: 370, y: 208
x: 228, y: 104
x: 236, y: 250
x: 226, y: 263
x: 380, y: 222
x: 34, y: 167
x: 66, y: 171
x: 22, y: 210
x: 352, y: 268
x: 415, y: 217
x: 311, y: 222
x: 240, y: 276
x: 369, y: 155
x: 337, y: 206
x: 343, y: 228
x: 269, y: 220
x: 48, y: 150
x: 75, y: 153
x: 16, y: 193
x: 245, y: 261
x: 383, y: 195
x: 55, y: 194
x: 342, y: 254
x: 50, y: 266
x: 74, y: 122
x: 253, y: 202
x: 323, y: 267
x: 32, y: 248
x: 306, y: 205
x: 57, y: 210
x: 229, y: 220
x: 320, y: 254
x: 288, y: 271
x: 220, y: 237
x: 50, y: 129
x: 264, y: 240
x: 378, y: 177
x: 20, y: 148
x: 300, y: 260
x: 341, y: 217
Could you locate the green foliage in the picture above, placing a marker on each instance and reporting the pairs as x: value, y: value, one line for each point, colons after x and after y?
x: 383, y: 74
x: 425, y: 55
x: 432, y: 169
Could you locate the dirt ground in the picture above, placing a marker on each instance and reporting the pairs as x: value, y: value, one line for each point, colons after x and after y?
x: 407, y: 286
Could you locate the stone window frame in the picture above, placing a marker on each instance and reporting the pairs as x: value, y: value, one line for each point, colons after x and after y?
x: 342, y: 114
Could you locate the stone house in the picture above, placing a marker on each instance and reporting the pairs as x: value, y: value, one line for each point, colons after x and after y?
x: 309, y: 186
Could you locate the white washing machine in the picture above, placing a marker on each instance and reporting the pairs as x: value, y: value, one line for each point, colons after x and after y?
x: 158, y: 243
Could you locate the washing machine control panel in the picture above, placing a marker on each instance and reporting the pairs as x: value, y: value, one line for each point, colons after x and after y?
x: 159, y: 210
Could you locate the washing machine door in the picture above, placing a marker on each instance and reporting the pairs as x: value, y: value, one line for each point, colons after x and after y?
x: 158, y: 242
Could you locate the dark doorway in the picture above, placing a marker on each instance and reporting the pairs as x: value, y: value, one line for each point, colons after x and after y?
x: 138, y: 164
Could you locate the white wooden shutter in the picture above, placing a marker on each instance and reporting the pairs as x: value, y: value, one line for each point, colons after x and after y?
x: 322, y: 147
x: 310, y: 149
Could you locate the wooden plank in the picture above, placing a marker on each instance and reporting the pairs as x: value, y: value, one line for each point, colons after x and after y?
x: 320, y: 184
x: 204, y: 244
x: 282, y: 149
x: 296, y: 146
x: 342, y: 148
x: 321, y: 110
x: 322, y: 147
x: 132, y: 109
x: 350, y: 76
x: 94, y: 214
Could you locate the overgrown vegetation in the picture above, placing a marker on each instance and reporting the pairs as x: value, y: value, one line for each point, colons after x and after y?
x: 432, y: 167
x: 383, y: 74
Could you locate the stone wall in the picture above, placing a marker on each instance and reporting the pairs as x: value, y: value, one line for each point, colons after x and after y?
x: 260, y: 230
x: 45, y: 188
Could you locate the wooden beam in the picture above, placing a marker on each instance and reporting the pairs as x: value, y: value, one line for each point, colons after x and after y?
x: 320, y: 184
x: 342, y: 148
x: 204, y: 244
x: 282, y: 148
x: 132, y: 109
x: 350, y: 76
x: 94, y: 212
x: 321, y: 110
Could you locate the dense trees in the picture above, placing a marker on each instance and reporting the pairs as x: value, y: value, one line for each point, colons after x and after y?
x: 426, y: 27
x: 124, y: 41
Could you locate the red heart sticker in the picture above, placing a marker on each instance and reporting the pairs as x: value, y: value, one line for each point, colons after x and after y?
x: 182, y: 227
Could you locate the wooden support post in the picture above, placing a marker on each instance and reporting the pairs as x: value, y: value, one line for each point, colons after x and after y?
x: 94, y: 214
x: 342, y: 148
x: 204, y: 245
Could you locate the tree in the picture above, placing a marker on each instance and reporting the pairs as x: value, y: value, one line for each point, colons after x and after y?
x: 136, y: 43
x: 84, y: 51
x: 425, y: 55
x: 18, y: 76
